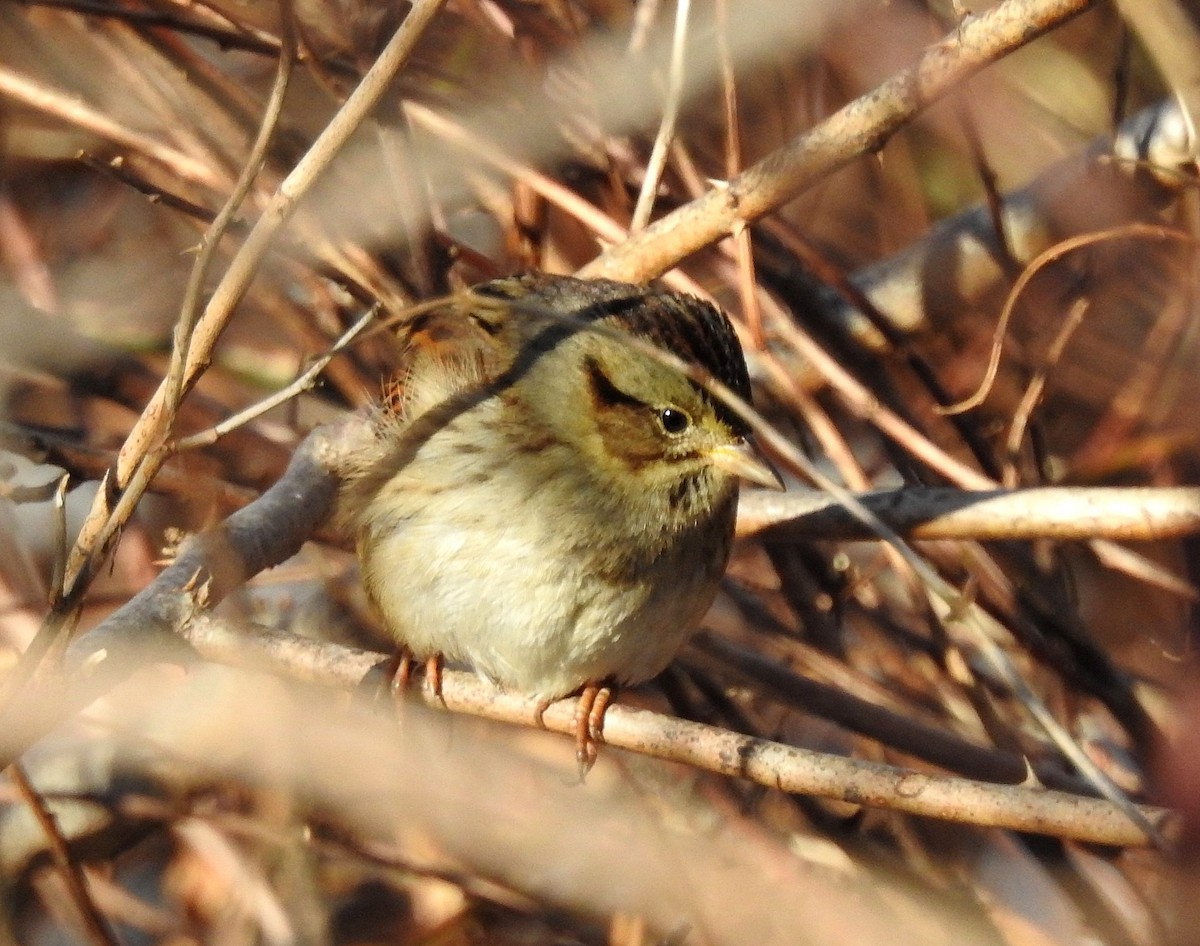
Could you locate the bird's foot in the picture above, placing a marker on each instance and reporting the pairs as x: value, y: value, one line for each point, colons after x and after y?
x: 397, y: 673
x: 593, y: 703
x: 590, y: 706
x: 401, y: 667
x: 433, y: 676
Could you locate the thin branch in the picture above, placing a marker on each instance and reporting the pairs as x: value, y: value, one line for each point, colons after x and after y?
x: 861, y: 401
x: 206, y: 437
x: 891, y: 727
x: 789, y: 769
x: 666, y: 128
x: 1037, y: 386
x: 1062, y: 513
x: 189, y: 309
x: 96, y: 926
x: 847, y: 292
x: 224, y: 37
x: 115, y: 168
x: 859, y: 128
x: 1126, y: 231
x: 1143, y: 569
x: 993, y: 199
x: 75, y: 112
x: 744, y: 251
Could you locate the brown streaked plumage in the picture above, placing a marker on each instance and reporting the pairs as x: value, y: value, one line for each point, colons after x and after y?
x: 543, y: 501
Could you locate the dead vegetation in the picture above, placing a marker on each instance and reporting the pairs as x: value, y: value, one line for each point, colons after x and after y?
x: 946, y: 693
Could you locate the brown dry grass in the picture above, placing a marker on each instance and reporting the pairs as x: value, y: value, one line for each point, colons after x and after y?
x: 863, y: 187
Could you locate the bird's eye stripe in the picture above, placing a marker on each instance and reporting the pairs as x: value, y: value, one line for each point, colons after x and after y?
x: 604, y: 391
x: 491, y: 326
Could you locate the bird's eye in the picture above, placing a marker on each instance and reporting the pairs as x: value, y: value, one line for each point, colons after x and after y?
x: 673, y: 420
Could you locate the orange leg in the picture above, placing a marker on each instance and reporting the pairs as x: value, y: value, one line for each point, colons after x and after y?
x: 433, y: 675
x: 594, y: 699
x: 401, y: 673
x: 592, y: 704
x: 398, y: 673
x: 388, y: 679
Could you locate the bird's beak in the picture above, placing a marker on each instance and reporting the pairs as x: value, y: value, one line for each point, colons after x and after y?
x: 743, y: 460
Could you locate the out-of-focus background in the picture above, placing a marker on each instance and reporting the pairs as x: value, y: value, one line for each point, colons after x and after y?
x: 214, y: 805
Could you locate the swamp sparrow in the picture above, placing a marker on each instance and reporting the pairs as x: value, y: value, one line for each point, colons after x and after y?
x: 546, y: 501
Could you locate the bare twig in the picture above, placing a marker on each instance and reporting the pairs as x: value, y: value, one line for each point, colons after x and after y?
x: 95, y: 925
x: 1037, y: 386
x: 666, y: 128
x: 1128, y: 231
x: 893, y: 728
x: 223, y: 36
x: 747, y: 281
x: 282, y: 396
x: 115, y: 168
x: 74, y: 111
x: 1049, y: 512
x: 861, y: 401
x: 857, y: 129
x: 174, y: 382
x: 768, y: 763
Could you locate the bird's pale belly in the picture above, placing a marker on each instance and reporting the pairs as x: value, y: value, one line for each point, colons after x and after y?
x: 496, y: 596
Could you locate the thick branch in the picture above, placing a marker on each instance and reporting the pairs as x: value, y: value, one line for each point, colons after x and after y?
x: 959, y: 261
x: 146, y: 629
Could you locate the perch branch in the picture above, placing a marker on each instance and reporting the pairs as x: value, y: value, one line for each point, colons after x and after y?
x: 798, y: 771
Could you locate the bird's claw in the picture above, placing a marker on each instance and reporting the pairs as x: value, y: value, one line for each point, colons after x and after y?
x: 589, y: 725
